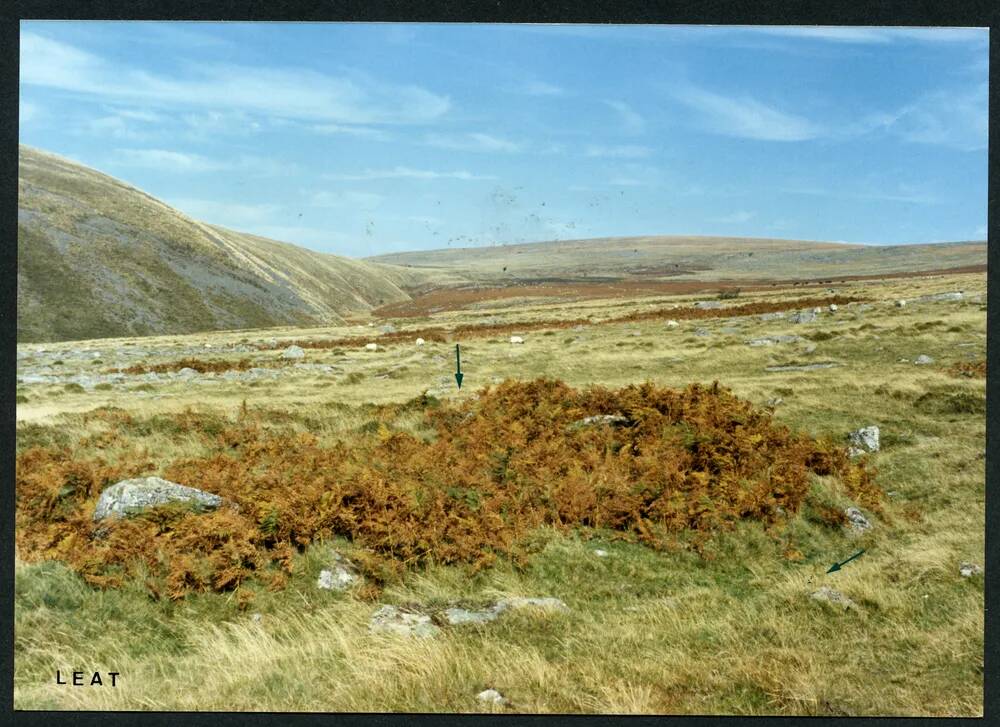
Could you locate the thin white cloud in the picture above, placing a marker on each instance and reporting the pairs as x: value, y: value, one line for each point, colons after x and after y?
x: 297, y: 93
x: 632, y: 122
x: 541, y: 88
x: 184, y: 162
x: 953, y: 118
x: 360, y: 131
x: 406, y: 173
x: 738, y: 217
x: 472, y: 141
x: 868, y: 35
x: 627, y: 151
x: 744, y: 117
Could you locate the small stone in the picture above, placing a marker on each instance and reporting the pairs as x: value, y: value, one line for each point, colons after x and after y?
x: 516, y: 339
x: 338, y: 578
x: 388, y: 328
x: 392, y: 620
x: 970, y: 569
x: 774, y: 401
x: 858, y: 522
x: 491, y: 696
x: 672, y: 324
x: 835, y: 597
x: 900, y: 303
x: 833, y: 307
x: 614, y: 420
x: 293, y: 352
x: 600, y: 553
x: 256, y: 618
x: 702, y: 332
x: 865, y: 439
x: 708, y: 304
x: 371, y: 346
x: 419, y: 342
x: 803, y: 316
x: 923, y: 360
x: 462, y: 616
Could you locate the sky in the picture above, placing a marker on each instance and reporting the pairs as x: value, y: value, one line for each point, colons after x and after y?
x: 367, y: 138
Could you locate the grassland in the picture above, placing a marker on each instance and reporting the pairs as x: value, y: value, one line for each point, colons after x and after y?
x: 727, y: 628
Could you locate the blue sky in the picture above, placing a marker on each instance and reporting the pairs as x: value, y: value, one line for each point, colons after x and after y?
x: 360, y: 139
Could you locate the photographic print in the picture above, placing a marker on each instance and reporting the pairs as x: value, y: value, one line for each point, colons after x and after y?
x: 501, y: 368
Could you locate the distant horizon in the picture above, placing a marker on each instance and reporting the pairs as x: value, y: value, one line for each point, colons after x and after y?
x: 363, y: 140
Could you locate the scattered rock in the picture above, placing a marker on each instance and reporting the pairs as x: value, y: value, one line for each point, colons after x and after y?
x: 858, y: 522
x: 970, y: 569
x: 293, y: 352
x: 923, y: 360
x: 865, y: 439
x: 389, y: 619
x: 803, y: 316
x: 708, y: 304
x: 371, y: 346
x: 833, y: 307
x: 940, y: 297
x: 130, y: 497
x: 900, y: 303
x: 614, y: 420
x: 388, y: 328
x: 462, y: 616
x: 801, y: 367
x: 518, y: 602
x: 809, y: 348
x: 420, y: 342
x: 835, y: 597
x: 340, y: 577
x: 256, y: 618
x: 672, y: 324
x: 702, y: 332
x: 187, y: 373
x: 772, y: 316
x: 772, y: 340
x: 516, y: 339
x: 774, y: 401
x: 600, y: 553
x: 491, y: 696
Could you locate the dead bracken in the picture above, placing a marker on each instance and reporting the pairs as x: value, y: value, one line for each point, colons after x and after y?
x: 679, y: 466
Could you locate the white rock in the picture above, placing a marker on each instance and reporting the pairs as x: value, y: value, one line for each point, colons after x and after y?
x: 833, y: 307
x: 969, y: 569
x: 340, y: 577
x: 371, y: 346
x: 130, y: 497
x: 858, y: 522
x: 900, y: 303
x: 491, y: 696
x: 865, y: 439
x: 672, y: 324
x: 389, y: 619
x: 420, y: 342
x: 516, y: 339
x: 293, y: 352
x: 835, y: 597
x: 600, y: 553
x: 923, y: 360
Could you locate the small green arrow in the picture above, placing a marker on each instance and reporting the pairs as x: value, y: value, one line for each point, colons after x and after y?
x: 458, y: 365
x: 837, y: 566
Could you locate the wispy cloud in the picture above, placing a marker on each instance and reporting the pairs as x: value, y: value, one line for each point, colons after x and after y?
x: 869, y: 35
x: 406, y: 173
x: 298, y: 93
x: 540, y: 88
x: 953, y: 118
x: 472, y: 141
x: 632, y: 122
x: 365, y: 132
x: 744, y: 117
x: 184, y: 162
x: 738, y: 217
x: 627, y: 151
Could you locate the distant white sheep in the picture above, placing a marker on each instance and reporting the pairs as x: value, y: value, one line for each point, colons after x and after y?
x: 420, y: 342
x: 833, y: 307
x: 371, y: 346
x: 672, y: 324
x: 516, y: 339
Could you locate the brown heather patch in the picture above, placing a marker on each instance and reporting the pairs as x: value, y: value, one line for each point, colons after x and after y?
x: 969, y: 369
x: 199, y: 365
x: 684, y: 465
x: 441, y: 334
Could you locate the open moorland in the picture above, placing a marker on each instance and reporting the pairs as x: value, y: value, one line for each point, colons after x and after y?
x: 630, y: 506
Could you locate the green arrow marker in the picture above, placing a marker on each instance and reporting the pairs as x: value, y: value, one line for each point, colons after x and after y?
x: 458, y: 365
x: 837, y: 566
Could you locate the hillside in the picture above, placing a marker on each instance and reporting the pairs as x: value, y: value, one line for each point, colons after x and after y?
x: 687, y: 258
x: 99, y: 258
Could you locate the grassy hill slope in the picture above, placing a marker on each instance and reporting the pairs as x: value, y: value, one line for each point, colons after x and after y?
x: 678, y: 257
x: 98, y: 258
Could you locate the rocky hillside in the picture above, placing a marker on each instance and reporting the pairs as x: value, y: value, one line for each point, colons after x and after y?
x: 100, y: 258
